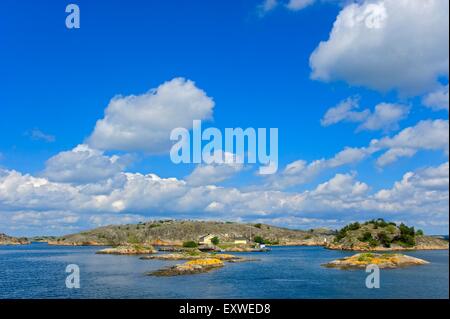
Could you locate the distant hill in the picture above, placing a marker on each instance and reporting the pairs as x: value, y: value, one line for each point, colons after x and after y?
x: 9, y: 240
x: 381, y: 235
x: 445, y: 237
x: 175, y: 232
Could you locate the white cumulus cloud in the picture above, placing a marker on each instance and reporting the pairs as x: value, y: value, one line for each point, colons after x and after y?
x: 437, y: 100
x: 385, y: 116
x: 83, y: 165
x: 425, y: 135
x: 345, y: 111
x: 35, y: 203
x: 387, y: 44
x: 300, y: 171
x: 144, y: 122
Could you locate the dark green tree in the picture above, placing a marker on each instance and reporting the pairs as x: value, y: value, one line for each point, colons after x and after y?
x: 215, y: 240
x: 190, y: 244
x: 259, y: 240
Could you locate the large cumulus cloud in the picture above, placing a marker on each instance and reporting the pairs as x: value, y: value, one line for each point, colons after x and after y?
x: 144, y: 122
x: 387, y: 44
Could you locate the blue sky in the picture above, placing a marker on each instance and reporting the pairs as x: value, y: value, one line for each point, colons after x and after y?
x: 56, y: 84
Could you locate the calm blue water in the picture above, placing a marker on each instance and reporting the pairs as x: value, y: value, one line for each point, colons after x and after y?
x: 38, y: 271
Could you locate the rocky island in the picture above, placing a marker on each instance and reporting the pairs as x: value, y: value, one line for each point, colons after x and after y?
x: 9, y: 240
x: 379, y: 235
x: 189, y: 268
x: 219, y: 236
x: 361, y: 260
x: 198, y: 263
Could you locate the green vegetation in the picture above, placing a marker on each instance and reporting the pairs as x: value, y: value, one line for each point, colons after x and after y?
x: 258, y: 225
x: 215, y: 240
x: 366, y: 237
x: 381, y: 239
x: 384, y: 239
x: 378, y: 232
x: 365, y: 257
x: 379, y: 223
x: 407, y: 236
x: 343, y: 231
x: 194, y: 252
x: 190, y: 244
x: 391, y: 229
x: 261, y: 240
x: 354, y: 226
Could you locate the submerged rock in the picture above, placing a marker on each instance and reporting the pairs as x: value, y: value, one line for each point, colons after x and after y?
x: 381, y: 260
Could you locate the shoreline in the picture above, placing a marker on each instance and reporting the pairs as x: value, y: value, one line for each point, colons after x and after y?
x: 249, y: 251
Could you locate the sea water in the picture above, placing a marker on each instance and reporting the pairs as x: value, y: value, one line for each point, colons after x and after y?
x: 38, y: 270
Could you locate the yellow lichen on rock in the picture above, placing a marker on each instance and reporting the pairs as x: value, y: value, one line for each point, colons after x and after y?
x: 205, y: 262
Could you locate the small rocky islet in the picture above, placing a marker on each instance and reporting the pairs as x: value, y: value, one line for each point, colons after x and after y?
x: 198, y: 262
x: 362, y: 260
x: 191, y: 267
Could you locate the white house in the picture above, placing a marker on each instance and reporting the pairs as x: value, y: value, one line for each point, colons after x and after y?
x: 206, y: 240
x: 240, y: 241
